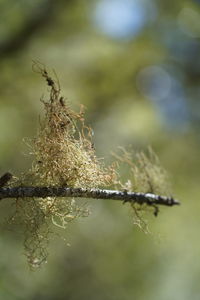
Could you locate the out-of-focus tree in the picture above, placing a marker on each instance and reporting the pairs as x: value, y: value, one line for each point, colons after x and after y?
x: 135, y: 65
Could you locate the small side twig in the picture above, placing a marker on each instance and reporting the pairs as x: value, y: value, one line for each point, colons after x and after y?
x: 4, y: 179
x: 43, y: 192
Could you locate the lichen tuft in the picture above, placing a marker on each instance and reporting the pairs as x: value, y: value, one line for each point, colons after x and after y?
x: 63, y: 155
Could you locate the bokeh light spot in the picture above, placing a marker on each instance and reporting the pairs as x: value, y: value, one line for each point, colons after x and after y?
x: 123, y: 18
x: 189, y: 22
x: 167, y: 95
x: 154, y: 82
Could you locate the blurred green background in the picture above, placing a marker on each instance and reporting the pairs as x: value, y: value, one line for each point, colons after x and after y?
x: 135, y: 65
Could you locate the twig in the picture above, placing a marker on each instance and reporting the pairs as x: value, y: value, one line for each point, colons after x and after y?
x: 43, y: 192
x: 5, y: 179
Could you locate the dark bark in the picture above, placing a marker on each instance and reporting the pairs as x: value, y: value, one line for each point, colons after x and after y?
x: 43, y: 192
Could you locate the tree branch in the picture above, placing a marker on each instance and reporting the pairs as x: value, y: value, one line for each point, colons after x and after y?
x: 43, y: 192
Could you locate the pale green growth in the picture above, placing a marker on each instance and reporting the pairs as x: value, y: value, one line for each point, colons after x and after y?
x: 63, y: 155
x: 144, y: 174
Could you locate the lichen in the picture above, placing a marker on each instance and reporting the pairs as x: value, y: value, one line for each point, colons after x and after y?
x: 144, y: 174
x: 63, y: 155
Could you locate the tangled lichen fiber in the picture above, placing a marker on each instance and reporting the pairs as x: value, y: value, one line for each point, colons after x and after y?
x: 144, y: 174
x: 63, y: 151
x: 63, y: 155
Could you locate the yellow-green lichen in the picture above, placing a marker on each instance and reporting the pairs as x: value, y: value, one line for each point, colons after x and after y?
x: 63, y: 155
x: 144, y: 174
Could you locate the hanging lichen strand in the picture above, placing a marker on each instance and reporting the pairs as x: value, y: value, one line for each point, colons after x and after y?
x: 63, y: 151
x: 63, y: 155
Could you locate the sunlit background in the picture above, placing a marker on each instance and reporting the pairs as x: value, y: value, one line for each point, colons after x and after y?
x: 135, y: 65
